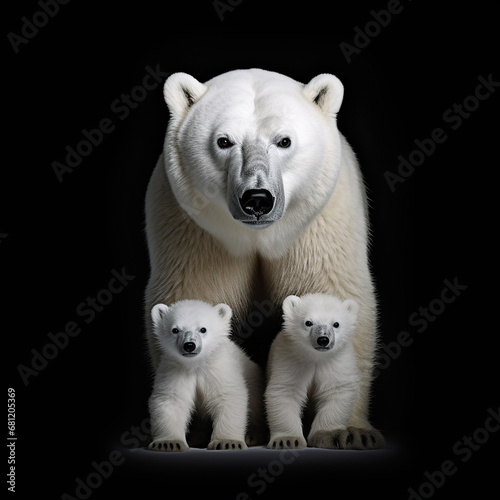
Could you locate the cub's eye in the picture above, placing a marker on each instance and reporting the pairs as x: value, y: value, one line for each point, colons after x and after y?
x: 336, y: 325
x: 203, y: 330
x: 284, y: 143
x: 224, y: 143
x: 175, y: 330
x: 308, y: 323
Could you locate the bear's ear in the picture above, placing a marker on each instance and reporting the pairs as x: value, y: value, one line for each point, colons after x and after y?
x: 158, y: 314
x: 181, y: 91
x: 289, y: 304
x: 326, y: 91
x: 224, y: 311
x: 351, y: 306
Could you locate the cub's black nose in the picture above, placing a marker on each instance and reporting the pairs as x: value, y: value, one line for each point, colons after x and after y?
x: 257, y: 202
x: 323, y: 341
x: 189, y: 346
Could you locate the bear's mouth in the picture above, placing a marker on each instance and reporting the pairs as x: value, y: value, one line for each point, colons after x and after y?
x: 259, y: 223
x: 190, y: 354
x: 327, y: 348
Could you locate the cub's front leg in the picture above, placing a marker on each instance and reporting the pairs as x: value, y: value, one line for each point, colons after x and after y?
x: 170, y: 407
x: 227, y: 404
x: 284, y: 398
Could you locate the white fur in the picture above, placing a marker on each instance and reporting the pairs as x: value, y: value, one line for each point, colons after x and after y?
x: 319, y: 242
x: 220, y: 380
x: 298, y: 372
x: 248, y: 94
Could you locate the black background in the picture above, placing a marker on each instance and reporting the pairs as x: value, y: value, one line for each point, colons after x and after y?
x: 61, y: 240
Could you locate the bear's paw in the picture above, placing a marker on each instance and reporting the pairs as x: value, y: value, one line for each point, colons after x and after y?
x: 352, y: 438
x: 168, y: 445
x: 226, y: 444
x: 287, y: 443
x: 365, y: 439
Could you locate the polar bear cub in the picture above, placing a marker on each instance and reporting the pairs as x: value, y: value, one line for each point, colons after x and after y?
x: 202, y: 369
x: 313, y: 359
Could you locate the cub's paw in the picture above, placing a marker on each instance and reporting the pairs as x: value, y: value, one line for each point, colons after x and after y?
x: 226, y: 444
x: 287, y: 442
x: 256, y: 436
x: 168, y: 445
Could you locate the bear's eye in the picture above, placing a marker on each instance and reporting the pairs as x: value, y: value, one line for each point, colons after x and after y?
x: 308, y: 323
x: 284, y: 143
x: 175, y: 330
x: 224, y: 143
x: 203, y: 330
x: 336, y: 324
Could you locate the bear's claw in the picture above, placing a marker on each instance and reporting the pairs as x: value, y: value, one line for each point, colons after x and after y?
x: 226, y: 444
x: 287, y: 442
x: 168, y: 445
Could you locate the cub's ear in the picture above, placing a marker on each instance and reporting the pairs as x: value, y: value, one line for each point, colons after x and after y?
x: 181, y: 91
x: 289, y: 304
x: 351, y: 306
x: 224, y: 311
x: 326, y: 91
x: 158, y: 314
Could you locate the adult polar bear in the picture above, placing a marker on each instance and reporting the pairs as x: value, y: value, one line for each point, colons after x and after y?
x: 258, y: 196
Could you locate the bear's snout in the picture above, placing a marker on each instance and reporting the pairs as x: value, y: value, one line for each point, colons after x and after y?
x: 322, y: 338
x: 257, y: 202
x: 189, y: 346
x: 256, y: 195
x: 323, y: 341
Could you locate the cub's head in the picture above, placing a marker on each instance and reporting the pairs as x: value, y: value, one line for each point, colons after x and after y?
x: 319, y: 321
x: 190, y: 328
x: 251, y: 149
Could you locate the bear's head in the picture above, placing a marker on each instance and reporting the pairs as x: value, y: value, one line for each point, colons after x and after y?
x: 319, y: 322
x: 190, y: 328
x: 253, y: 150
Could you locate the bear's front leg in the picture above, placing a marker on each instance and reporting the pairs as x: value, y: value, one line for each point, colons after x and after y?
x: 170, y: 407
x: 333, y: 408
x: 229, y: 415
x: 361, y: 434
x: 284, y: 404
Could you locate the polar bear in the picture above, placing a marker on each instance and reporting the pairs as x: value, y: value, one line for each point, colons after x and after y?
x: 313, y: 359
x: 257, y: 196
x: 202, y: 370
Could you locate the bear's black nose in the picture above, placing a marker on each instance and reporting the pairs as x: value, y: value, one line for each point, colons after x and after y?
x: 257, y: 202
x: 189, y: 346
x: 323, y: 341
